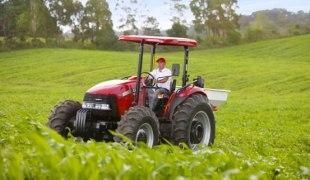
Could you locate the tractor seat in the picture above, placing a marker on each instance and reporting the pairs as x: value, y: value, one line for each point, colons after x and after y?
x: 173, y: 85
x: 175, y: 72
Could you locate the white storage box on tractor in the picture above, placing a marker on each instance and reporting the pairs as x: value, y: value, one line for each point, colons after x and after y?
x: 217, y: 97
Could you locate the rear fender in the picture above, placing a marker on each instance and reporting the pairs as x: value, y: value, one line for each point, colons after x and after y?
x: 179, y: 97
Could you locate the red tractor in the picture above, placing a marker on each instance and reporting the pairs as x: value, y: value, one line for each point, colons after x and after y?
x: 183, y: 116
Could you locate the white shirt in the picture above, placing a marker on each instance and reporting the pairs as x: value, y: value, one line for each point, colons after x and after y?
x: 162, y: 74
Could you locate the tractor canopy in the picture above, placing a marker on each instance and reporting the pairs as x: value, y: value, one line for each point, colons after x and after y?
x: 169, y: 41
x: 154, y: 41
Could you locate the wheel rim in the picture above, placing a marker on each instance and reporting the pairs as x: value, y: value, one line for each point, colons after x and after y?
x: 145, y: 134
x: 200, y: 130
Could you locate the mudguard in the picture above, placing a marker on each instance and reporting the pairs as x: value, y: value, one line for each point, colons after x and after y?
x: 179, y: 96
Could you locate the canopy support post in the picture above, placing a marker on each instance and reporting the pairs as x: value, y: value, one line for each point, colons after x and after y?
x: 185, y: 66
x: 140, y: 61
x: 152, y: 57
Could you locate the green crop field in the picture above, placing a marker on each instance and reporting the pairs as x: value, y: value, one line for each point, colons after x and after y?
x: 263, y: 131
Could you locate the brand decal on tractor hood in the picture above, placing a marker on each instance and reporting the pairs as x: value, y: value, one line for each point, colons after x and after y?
x: 127, y: 92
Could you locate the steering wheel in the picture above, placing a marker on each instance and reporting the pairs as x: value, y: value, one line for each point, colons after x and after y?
x: 126, y: 77
x: 148, y: 81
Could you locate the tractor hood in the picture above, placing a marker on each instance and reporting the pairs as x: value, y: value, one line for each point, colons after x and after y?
x: 112, y: 87
x: 116, y: 96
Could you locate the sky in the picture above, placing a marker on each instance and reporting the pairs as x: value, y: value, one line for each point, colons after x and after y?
x: 161, y: 11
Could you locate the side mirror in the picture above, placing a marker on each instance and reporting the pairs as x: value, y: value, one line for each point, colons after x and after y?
x: 175, y: 69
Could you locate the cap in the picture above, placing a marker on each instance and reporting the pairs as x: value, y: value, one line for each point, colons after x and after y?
x: 161, y: 59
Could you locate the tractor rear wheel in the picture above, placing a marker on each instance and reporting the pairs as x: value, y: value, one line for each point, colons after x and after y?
x: 62, y: 114
x: 139, y: 124
x: 193, y: 122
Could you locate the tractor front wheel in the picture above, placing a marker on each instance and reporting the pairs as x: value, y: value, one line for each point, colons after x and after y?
x: 193, y: 122
x: 139, y: 124
x: 61, y: 116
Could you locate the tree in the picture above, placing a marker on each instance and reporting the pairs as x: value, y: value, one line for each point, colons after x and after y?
x: 129, y: 22
x: 62, y: 10
x: 37, y: 20
x: 131, y: 10
x: 97, y: 21
x: 214, y: 18
x: 177, y: 30
x: 9, y: 11
x: 150, y: 27
x: 177, y: 8
x: 26, y: 18
x: 79, y: 22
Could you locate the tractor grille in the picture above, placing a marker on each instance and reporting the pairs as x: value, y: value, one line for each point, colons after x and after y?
x: 103, y: 99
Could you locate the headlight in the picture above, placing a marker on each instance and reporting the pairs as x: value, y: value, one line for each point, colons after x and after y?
x: 96, y: 106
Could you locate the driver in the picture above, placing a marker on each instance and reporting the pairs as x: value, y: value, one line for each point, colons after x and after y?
x: 162, y: 79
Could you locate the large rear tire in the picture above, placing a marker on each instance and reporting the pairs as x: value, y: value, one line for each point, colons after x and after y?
x: 139, y: 123
x: 61, y: 116
x: 193, y: 122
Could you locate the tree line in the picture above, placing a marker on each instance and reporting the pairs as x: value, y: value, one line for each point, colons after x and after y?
x: 43, y: 19
x: 38, y: 23
x: 274, y: 23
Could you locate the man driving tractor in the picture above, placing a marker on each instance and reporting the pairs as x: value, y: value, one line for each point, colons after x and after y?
x: 162, y: 79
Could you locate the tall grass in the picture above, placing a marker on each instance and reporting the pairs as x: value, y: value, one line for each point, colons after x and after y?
x: 50, y: 156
